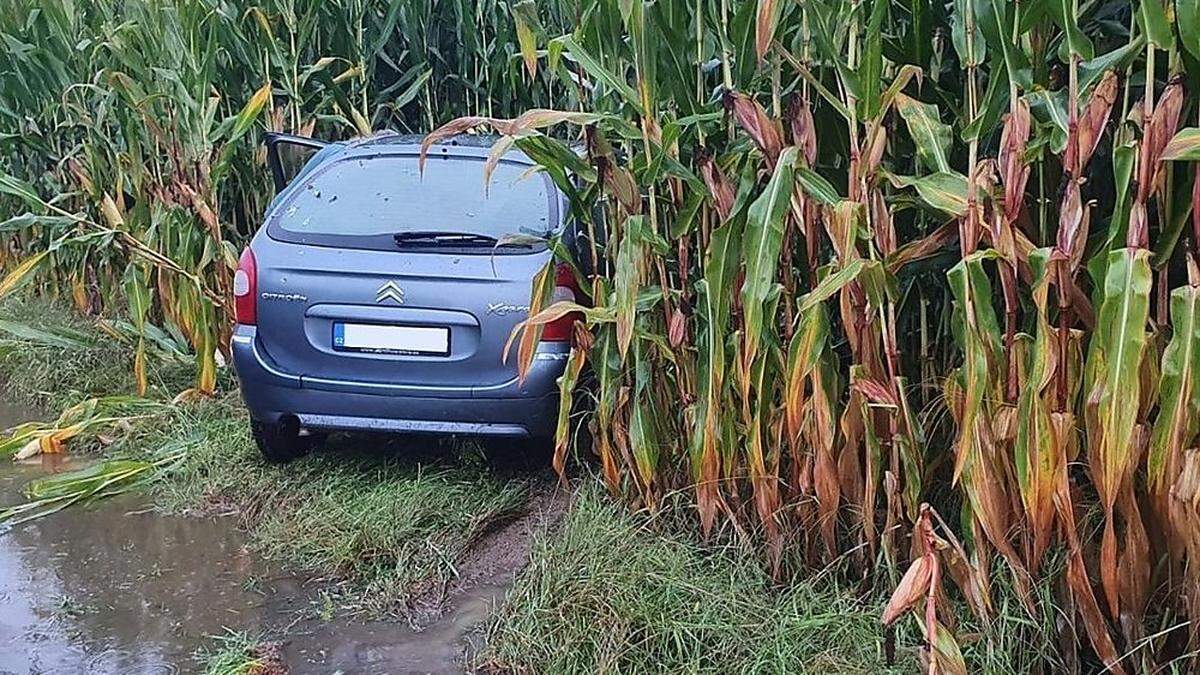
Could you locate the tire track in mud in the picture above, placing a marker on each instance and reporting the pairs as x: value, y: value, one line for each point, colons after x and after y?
x: 498, y: 553
x: 445, y: 619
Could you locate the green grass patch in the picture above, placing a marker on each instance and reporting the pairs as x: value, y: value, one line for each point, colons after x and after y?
x: 608, y: 593
x: 388, y: 517
x: 239, y: 653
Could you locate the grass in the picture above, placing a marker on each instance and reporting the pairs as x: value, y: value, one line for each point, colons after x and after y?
x: 383, y: 520
x: 239, y: 653
x: 607, y: 593
x: 51, y: 376
x: 389, y: 518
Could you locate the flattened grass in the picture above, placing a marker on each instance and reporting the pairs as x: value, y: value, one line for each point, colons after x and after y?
x: 388, y: 517
x: 608, y: 594
x: 51, y: 375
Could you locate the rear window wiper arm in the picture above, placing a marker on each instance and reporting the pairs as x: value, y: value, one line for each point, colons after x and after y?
x: 445, y: 238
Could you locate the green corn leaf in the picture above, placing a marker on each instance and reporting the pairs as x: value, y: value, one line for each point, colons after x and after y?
x: 817, y: 187
x: 12, y: 440
x: 1124, y: 158
x: 1172, y: 231
x: 1120, y: 338
x: 761, y: 246
x: 828, y: 21
x: 1175, y: 427
x: 832, y: 283
x: 628, y: 280
x: 1074, y: 41
x: 995, y: 104
x: 870, y: 69
x: 137, y: 294
x: 943, y: 191
x: 16, y: 187
x: 414, y: 89
x: 978, y: 334
x: 1051, y: 108
x: 86, y: 481
x: 1034, y: 448
x: 714, y: 291
x: 910, y: 443
x: 804, y: 352
x: 1157, y: 26
x: 577, y: 53
x: 1187, y: 17
x: 996, y: 21
x: 643, y: 431
x: 56, y: 337
x: 969, y: 44
x: 1118, y: 59
x: 566, y: 390
x: 930, y: 135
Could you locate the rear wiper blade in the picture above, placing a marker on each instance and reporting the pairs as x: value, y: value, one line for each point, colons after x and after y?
x: 446, y: 239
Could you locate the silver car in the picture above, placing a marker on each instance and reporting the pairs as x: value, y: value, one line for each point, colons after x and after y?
x: 378, y: 298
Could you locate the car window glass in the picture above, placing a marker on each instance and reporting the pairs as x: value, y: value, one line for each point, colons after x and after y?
x: 388, y: 195
x: 293, y: 158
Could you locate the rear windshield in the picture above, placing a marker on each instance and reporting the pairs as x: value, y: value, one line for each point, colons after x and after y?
x: 365, y: 201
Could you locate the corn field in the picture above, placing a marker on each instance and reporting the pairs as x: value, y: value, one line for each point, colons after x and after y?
x: 906, y: 288
x: 129, y: 134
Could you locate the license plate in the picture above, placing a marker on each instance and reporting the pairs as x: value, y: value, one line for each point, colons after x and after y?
x: 391, y: 339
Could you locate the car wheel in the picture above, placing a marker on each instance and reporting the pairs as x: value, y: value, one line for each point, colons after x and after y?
x: 281, y: 443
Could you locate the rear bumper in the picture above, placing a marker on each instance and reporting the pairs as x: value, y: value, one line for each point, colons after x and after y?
x: 529, y: 409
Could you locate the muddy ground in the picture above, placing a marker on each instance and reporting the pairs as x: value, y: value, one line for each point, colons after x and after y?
x: 116, y: 587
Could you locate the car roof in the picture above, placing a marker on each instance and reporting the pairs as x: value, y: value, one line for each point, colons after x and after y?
x: 389, y: 143
x: 392, y: 138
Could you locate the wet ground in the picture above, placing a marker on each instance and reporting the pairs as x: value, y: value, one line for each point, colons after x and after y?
x: 117, y: 588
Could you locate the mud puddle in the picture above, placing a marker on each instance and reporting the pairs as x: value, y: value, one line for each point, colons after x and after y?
x: 114, y: 587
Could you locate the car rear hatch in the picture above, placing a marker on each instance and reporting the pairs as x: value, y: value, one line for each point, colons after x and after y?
x: 346, y: 306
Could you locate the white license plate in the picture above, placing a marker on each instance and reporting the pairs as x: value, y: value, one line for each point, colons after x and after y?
x: 366, y: 337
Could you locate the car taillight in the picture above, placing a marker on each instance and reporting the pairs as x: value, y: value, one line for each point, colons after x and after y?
x: 565, y: 288
x: 245, y: 289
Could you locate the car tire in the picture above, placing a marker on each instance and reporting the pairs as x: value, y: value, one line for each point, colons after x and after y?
x: 281, y: 443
